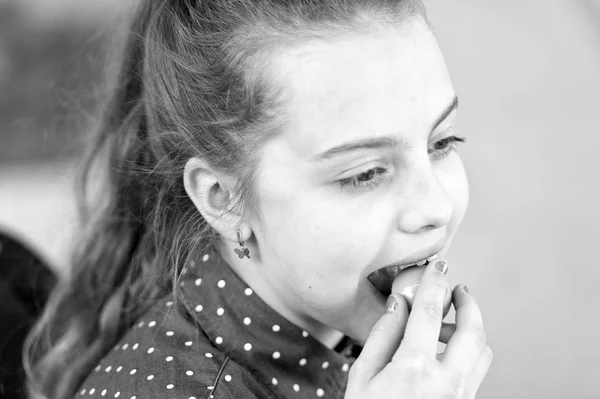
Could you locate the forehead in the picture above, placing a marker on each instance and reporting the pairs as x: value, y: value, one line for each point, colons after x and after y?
x: 376, y: 81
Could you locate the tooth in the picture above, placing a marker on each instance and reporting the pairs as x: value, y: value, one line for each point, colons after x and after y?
x: 421, y: 262
x: 432, y: 258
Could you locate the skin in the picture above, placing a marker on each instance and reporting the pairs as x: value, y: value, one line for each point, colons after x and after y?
x: 312, y: 241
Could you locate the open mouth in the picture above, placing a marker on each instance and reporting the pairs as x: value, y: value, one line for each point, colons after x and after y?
x: 383, y: 278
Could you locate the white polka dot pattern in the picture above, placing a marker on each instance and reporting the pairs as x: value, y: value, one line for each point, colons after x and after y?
x: 231, y: 319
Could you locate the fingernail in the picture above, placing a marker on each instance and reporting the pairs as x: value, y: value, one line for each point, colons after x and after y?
x: 467, y: 290
x: 391, y: 304
x: 442, y: 266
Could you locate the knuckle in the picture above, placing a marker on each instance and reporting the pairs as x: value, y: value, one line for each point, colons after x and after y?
x: 479, y: 335
x: 454, y: 386
x: 418, y: 361
x: 475, y: 329
x: 439, y: 282
x: 433, y: 310
x: 378, y: 329
x: 473, y: 311
x: 414, y: 364
x: 489, y: 354
x: 469, y: 393
x: 357, y: 369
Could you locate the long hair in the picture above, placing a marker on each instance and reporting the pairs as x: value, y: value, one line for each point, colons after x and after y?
x: 193, y: 82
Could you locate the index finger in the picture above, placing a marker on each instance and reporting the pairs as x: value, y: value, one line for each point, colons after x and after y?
x: 425, y: 319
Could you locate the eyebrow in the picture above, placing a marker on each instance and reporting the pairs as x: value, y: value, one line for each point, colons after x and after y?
x: 447, y: 111
x: 381, y: 142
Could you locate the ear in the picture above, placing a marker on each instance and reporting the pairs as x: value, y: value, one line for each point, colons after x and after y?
x: 211, y: 192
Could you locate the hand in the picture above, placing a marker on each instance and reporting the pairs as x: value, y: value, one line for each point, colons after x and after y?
x: 399, y: 358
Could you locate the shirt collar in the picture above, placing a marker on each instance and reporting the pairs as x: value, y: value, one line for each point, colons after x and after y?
x: 245, y: 328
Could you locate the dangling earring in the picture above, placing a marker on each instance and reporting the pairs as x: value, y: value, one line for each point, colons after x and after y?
x: 243, y: 252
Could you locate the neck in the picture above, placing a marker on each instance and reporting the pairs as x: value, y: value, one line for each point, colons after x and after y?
x: 330, y: 339
x: 248, y: 272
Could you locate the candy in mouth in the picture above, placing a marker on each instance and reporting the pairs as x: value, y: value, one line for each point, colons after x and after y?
x: 383, y: 278
x: 407, y: 284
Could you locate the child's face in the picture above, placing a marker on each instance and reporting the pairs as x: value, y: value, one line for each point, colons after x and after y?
x: 328, y: 221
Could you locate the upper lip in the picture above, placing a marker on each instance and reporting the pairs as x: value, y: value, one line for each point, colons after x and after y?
x: 417, y: 256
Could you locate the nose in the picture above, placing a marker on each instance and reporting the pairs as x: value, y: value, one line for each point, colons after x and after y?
x: 425, y: 204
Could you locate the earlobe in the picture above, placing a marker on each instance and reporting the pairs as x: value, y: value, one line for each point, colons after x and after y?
x: 211, y: 194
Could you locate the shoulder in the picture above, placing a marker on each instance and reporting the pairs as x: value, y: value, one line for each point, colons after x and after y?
x: 165, y: 355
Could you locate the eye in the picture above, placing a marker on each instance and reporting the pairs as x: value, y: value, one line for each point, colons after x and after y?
x: 442, y: 148
x: 367, y: 179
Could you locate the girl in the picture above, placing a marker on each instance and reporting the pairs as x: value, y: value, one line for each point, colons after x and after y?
x: 267, y: 165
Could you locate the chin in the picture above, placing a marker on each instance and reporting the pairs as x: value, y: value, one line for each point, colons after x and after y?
x: 365, y: 317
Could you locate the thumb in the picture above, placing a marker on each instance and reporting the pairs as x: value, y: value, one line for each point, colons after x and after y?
x: 384, y: 338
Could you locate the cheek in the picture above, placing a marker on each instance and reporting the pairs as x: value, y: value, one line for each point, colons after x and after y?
x: 453, y: 178
x: 318, y: 242
x: 310, y: 228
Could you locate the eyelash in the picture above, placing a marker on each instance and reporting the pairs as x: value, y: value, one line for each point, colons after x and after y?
x: 450, y: 143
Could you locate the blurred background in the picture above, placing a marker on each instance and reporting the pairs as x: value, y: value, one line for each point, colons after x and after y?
x: 528, y: 76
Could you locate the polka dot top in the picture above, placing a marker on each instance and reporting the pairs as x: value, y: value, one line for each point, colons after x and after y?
x: 230, y: 344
